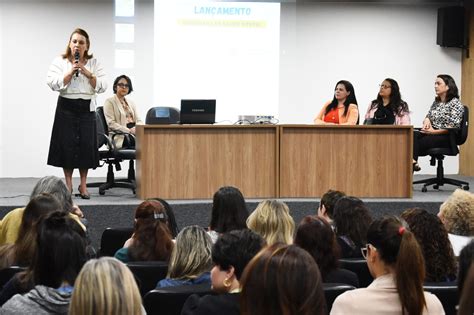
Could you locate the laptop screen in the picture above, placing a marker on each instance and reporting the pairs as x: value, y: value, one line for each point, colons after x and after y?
x: 198, y: 112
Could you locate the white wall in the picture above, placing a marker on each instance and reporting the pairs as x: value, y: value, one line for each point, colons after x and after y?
x: 363, y: 43
x: 320, y: 44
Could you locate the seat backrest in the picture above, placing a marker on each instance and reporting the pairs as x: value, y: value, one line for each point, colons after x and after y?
x: 170, y: 300
x: 359, y: 266
x: 462, y: 134
x: 332, y: 291
x: 7, y: 273
x: 101, y: 125
x: 148, y: 273
x: 113, y: 239
x: 162, y: 116
x: 447, y: 293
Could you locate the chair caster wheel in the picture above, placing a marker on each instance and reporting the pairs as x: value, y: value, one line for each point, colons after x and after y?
x: 424, y: 189
x: 101, y: 192
x: 134, y: 191
x: 435, y: 186
x: 465, y: 187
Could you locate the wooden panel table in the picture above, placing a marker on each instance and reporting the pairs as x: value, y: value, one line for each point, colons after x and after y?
x: 363, y: 161
x: 193, y: 161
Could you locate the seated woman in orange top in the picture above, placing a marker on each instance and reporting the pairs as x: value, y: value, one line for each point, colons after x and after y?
x: 342, y: 110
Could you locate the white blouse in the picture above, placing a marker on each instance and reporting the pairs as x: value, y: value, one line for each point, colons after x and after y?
x: 79, y: 86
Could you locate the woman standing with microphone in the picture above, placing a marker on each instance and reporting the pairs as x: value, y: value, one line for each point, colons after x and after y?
x: 78, y: 77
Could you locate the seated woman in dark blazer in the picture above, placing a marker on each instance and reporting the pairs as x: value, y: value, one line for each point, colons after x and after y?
x: 230, y: 255
x: 316, y: 236
x: 121, y: 113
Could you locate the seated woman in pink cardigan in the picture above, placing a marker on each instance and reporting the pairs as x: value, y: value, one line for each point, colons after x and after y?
x: 388, y: 108
x: 342, y: 110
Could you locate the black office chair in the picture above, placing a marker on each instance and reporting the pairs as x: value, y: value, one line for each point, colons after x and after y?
x: 457, y: 137
x: 113, y: 156
x: 360, y: 268
x: 148, y: 273
x: 170, y: 300
x: 447, y: 293
x: 332, y: 291
x: 7, y: 273
x: 113, y: 239
x: 162, y: 116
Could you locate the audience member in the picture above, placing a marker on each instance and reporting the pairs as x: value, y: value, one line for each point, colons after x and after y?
x: 396, y: 262
x: 10, y: 225
x: 342, y: 110
x: 172, y: 225
x: 466, y: 258
x: 316, y: 236
x: 60, y: 255
x: 351, y: 220
x: 21, y: 253
x: 271, y: 219
x: 388, y: 108
x: 282, y: 279
x: 457, y: 215
x: 440, y: 263
x: 466, y: 302
x: 121, y: 113
x: 230, y: 254
x: 105, y: 286
x: 326, y: 205
x: 151, y: 239
x: 190, y: 261
x: 229, y: 212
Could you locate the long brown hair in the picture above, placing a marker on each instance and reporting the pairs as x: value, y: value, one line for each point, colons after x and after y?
x: 68, y: 53
x: 399, y: 248
x: 282, y: 279
x: 152, y: 238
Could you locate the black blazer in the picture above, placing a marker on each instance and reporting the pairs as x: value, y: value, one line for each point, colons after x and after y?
x: 342, y: 276
x: 227, y: 303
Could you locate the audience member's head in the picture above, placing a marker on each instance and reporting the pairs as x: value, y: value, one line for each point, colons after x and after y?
x: 271, y: 219
x: 352, y: 219
x: 230, y: 254
x: 392, y: 248
x: 191, y: 255
x: 151, y: 239
x: 326, y: 205
x: 466, y: 302
x: 229, y: 211
x: 282, y: 279
x: 466, y: 258
x: 432, y: 236
x: 172, y: 225
x: 25, y: 246
x: 315, y: 235
x: 105, y: 286
x: 54, y: 186
x: 61, y: 250
x: 457, y: 213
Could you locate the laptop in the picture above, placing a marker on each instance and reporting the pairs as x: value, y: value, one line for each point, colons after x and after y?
x: 198, y: 112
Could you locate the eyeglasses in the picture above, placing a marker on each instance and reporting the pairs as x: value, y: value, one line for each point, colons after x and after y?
x: 123, y: 85
x: 385, y: 86
x: 365, y: 250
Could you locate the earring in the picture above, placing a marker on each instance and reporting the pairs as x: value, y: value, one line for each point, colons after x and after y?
x: 227, y: 283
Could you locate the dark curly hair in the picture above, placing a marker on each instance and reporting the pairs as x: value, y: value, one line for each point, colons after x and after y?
x: 316, y: 236
x: 433, y: 238
x: 397, y: 105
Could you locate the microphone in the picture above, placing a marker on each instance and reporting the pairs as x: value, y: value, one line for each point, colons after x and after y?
x: 76, y: 60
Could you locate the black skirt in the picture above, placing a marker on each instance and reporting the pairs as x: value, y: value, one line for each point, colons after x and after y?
x: 74, y: 137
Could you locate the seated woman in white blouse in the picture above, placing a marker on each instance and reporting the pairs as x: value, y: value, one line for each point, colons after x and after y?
x: 121, y: 113
x: 396, y: 262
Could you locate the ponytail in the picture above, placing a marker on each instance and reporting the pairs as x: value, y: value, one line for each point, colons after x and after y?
x: 410, y: 284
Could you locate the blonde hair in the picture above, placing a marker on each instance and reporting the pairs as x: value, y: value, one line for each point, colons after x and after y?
x: 271, y: 219
x: 105, y: 286
x: 191, y: 255
x: 458, y: 213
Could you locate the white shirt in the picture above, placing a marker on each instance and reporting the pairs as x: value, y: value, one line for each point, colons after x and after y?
x: 458, y: 242
x: 79, y: 86
x: 380, y: 297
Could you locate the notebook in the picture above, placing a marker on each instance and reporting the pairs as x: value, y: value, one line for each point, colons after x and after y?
x: 198, y: 112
